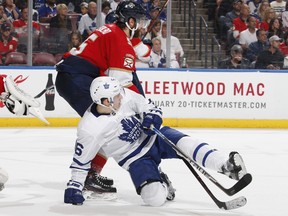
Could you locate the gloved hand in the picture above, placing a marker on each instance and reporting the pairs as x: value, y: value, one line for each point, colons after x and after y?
x: 148, y: 120
x: 15, y: 106
x: 73, y: 193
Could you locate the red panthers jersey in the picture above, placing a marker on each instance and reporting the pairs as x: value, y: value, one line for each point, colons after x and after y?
x: 108, y: 48
x: 1, y: 84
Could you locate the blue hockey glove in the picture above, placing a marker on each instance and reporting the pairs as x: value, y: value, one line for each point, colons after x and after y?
x: 149, y: 119
x: 73, y: 193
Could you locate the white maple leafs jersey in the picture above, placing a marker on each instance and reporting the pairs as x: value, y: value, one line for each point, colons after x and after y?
x: 119, y: 135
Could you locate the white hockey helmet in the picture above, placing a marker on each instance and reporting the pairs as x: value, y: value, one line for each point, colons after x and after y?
x: 104, y: 87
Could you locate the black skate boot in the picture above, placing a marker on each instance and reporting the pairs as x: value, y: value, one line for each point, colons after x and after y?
x: 103, y: 179
x: 99, y: 184
x: 234, y: 167
x: 171, y: 190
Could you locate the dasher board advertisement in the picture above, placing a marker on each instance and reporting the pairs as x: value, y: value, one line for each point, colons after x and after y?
x: 181, y: 94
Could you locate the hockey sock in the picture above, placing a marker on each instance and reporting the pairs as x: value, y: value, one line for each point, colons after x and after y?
x: 98, y: 163
x: 202, y: 153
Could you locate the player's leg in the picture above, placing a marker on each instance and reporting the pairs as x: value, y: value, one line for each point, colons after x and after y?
x: 75, y: 89
x: 204, y: 154
x: 94, y: 181
x: 151, y: 184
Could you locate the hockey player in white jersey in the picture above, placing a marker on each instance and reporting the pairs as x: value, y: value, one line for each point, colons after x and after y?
x: 118, y: 122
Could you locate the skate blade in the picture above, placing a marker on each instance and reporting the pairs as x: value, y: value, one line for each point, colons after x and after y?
x: 91, y: 195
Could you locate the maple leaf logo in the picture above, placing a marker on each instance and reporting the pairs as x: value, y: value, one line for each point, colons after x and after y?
x: 132, y: 128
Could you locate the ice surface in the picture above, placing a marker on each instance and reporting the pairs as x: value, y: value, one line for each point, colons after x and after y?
x: 38, y: 160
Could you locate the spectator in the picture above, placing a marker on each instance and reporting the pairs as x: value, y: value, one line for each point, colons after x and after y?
x: 38, y: 4
x: 239, y: 24
x: 155, y: 30
x: 84, y: 8
x: 278, y: 6
x: 249, y: 35
x: 175, y: 45
x: 224, y: 7
x: 236, y: 60
x: 272, y: 58
x: 3, y: 16
x: 7, y: 42
x: 77, y: 5
x: 47, y: 11
x: 285, y: 18
x: 61, y: 28
x: 153, y: 19
x: 261, y: 9
x: 158, y: 56
x: 258, y: 46
x: 284, y: 45
x: 275, y: 28
x: 114, y: 4
x: 105, y: 10
x: 20, y: 25
x: 225, y: 23
x: 269, y: 14
x: 75, y: 40
x: 153, y: 13
x: 11, y: 10
x: 61, y: 20
x: 87, y: 23
x: 253, y: 5
x: 146, y: 4
x: 142, y: 51
x: 157, y: 4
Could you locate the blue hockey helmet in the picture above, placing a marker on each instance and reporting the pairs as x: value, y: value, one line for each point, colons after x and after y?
x: 130, y: 9
x: 111, y: 17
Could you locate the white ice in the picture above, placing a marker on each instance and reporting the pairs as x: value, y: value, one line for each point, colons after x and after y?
x: 38, y: 160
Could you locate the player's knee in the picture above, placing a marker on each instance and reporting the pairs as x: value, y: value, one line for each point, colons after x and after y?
x: 154, y: 194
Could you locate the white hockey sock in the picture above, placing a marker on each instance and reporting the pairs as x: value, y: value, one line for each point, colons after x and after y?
x: 202, y: 153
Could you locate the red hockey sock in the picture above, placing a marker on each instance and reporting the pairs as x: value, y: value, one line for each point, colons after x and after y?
x: 98, y: 163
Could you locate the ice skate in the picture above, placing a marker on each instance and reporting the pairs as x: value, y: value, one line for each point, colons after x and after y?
x: 171, y: 189
x: 97, y: 183
x: 98, y: 177
x: 234, y: 167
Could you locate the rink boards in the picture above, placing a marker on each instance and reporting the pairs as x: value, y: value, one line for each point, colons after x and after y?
x: 189, y: 98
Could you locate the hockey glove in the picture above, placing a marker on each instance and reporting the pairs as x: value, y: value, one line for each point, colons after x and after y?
x: 15, y: 106
x: 73, y: 193
x: 149, y: 119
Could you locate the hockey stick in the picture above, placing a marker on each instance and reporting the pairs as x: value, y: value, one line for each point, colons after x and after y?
x: 232, y: 204
x: 242, y: 183
x: 154, y: 20
x: 44, y: 91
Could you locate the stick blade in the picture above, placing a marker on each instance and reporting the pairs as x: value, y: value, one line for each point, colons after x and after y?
x: 241, y: 184
x: 235, y: 203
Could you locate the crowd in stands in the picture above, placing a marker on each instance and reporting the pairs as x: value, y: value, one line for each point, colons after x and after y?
x: 59, y: 25
x: 259, y: 27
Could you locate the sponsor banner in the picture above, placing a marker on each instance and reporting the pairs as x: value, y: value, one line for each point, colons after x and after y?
x: 235, y: 95
x: 189, y: 95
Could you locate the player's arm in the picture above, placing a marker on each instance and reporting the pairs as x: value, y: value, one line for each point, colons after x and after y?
x: 125, y: 78
x: 149, y: 112
x: 86, y: 147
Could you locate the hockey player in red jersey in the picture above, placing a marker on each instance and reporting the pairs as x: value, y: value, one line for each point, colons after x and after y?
x: 106, y: 52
